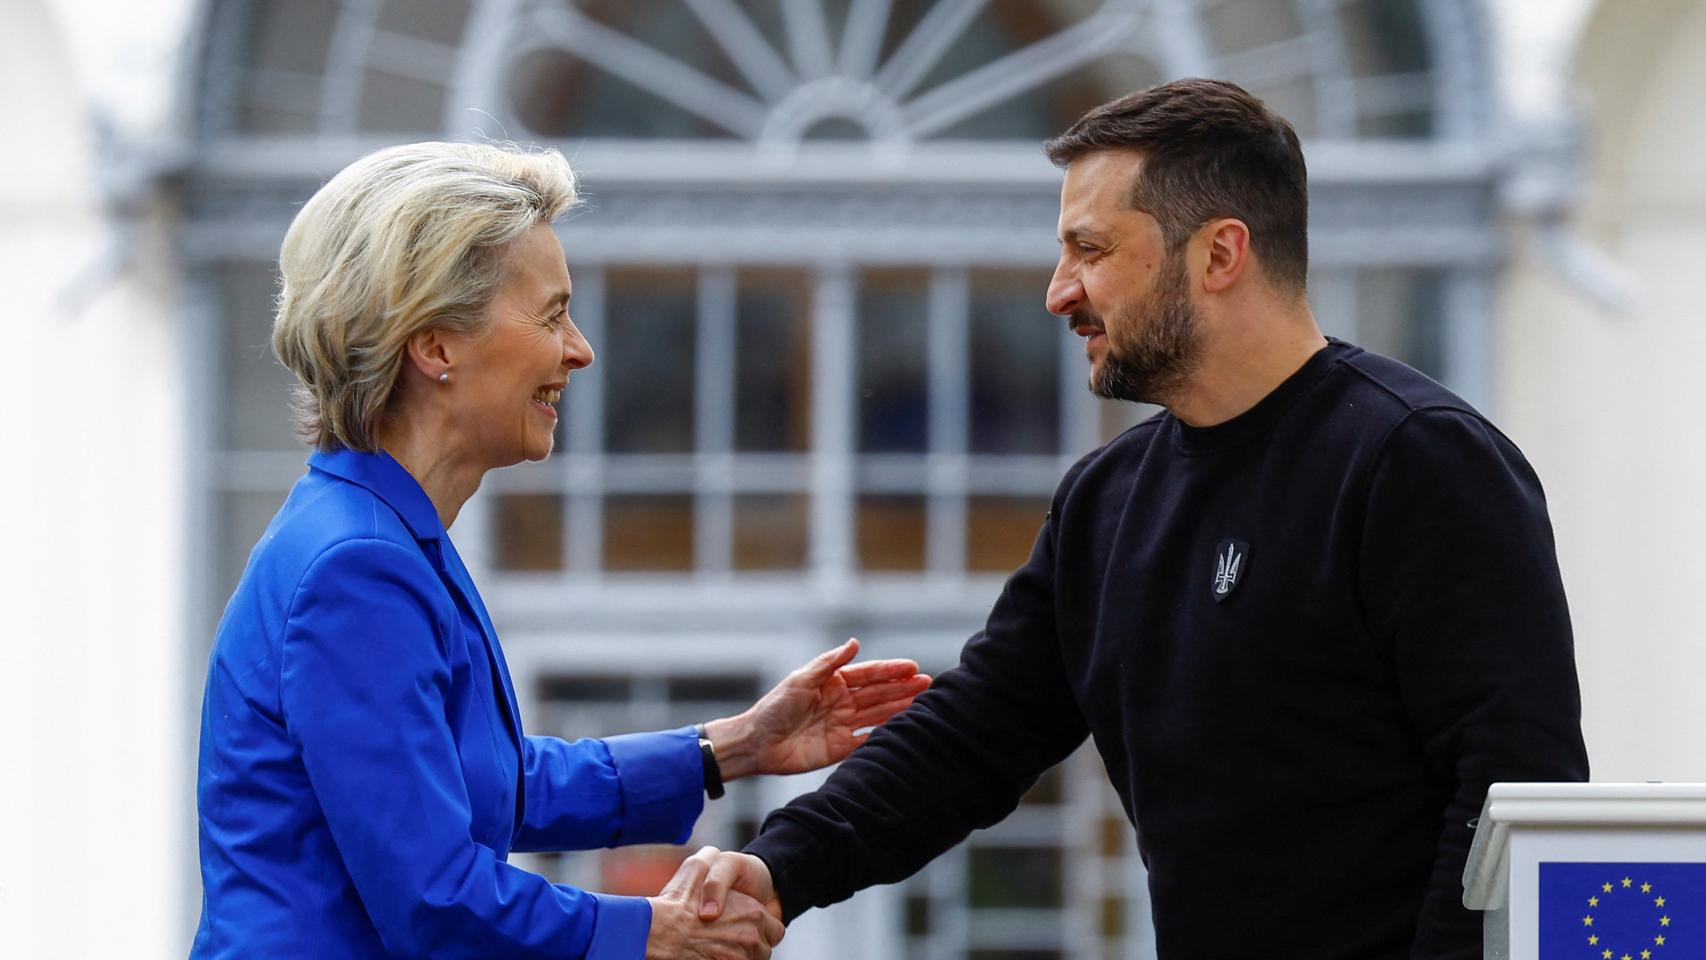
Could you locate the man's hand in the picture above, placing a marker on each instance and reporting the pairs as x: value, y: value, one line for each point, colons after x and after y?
x: 743, y: 929
x: 808, y: 720
x: 736, y: 875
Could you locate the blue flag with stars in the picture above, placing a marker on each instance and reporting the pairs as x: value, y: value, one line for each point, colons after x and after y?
x: 1622, y: 911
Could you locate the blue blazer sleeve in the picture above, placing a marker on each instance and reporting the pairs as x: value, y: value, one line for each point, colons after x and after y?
x: 364, y: 676
x: 637, y: 788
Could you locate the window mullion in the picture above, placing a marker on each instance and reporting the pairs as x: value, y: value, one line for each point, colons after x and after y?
x: 950, y: 393
x: 584, y: 465
x: 714, y: 423
x: 834, y: 382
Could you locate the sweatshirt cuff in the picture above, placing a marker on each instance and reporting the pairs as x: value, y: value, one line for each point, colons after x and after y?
x: 662, y: 780
x: 784, y: 851
x: 620, y: 931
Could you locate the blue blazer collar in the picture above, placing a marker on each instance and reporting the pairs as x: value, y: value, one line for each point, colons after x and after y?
x: 387, y: 480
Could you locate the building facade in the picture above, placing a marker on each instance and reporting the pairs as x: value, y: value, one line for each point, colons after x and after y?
x: 827, y: 399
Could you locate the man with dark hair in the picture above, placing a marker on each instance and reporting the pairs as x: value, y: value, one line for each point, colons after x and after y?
x: 1308, y: 613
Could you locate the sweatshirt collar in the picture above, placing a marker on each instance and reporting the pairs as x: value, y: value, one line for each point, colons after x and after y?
x: 1256, y: 420
x: 386, y: 479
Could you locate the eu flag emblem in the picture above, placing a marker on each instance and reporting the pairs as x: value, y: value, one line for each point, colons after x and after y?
x: 1622, y: 911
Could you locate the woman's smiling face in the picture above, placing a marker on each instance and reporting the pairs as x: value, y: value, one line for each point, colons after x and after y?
x: 510, y: 378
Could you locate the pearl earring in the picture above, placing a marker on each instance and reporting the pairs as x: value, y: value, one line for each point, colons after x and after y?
x: 444, y: 377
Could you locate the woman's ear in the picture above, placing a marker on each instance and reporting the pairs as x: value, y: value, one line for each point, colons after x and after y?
x: 429, y: 353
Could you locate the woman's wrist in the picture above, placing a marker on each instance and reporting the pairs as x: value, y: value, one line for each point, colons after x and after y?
x: 731, y: 738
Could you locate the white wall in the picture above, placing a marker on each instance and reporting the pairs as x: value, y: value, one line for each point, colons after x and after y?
x: 92, y: 759
x: 1608, y: 405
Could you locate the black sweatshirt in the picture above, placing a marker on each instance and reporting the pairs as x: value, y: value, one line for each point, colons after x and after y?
x: 1301, y: 755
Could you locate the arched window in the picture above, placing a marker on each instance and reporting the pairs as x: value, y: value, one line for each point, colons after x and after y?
x: 827, y: 398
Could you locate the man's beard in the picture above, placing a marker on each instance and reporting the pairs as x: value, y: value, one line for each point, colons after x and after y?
x: 1166, y: 342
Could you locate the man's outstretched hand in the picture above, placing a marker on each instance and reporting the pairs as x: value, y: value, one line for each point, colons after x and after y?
x: 742, y: 874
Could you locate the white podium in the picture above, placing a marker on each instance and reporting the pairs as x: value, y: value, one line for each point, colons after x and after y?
x: 1596, y: 871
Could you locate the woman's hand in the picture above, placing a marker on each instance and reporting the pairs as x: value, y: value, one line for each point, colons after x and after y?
x: 743, y: 929
x: 808, y: 720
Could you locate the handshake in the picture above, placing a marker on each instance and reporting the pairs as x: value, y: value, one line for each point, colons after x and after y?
x: 720, y: 905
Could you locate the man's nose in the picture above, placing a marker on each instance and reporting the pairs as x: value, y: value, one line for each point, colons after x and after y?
x: 1065, y: 293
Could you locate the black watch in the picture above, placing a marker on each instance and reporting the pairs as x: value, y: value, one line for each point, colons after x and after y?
x: 708, y: 756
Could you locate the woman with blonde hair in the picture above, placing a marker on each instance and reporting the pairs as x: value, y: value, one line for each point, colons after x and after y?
x: 364, y: 773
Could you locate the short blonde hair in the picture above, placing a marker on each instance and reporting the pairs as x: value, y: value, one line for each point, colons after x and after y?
x: 402, y: 240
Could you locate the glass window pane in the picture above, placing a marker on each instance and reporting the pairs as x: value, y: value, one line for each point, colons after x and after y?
x: 1072, y: 94
x: 917, y: 916
x: 1049, y: 790
x: 1386, y: 43
x: 1022, y: 877
x: 557, y: 94
x: 393, y: 104
x: 592, y: 688
x: 529, y: 531
x: 648, y: 533
x: 648, y: 361
x: 440, y: 21
x: 894, y: 394
x: 1114, y: 835
x: 1113, y: 917
x: 293, y: 35
x: 1238, y: 26
x: 1001, y: 530
x: 773, y: 358
x: 739, y: 688
x: 1244, y: 26
x: 1400, y: 313
x: 770, y: 531
x: 257, y: 386
x: 1003, y: 27
x: 1015, y: 365
x: 891, y: 532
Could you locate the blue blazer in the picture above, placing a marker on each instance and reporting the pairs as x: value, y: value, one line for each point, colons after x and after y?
x: 363, y: 770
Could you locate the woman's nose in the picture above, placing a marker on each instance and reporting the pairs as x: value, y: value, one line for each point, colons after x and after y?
x: 577, y: 353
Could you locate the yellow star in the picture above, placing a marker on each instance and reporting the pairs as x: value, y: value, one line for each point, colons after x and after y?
x: 1593, y: 901
x: 1607, y: 888
x: 1659, y: 901
x: 1593, y: 941
x: 1587, y: 921
x: 1627, y: 882
x: 1646, y: 888
x: 1606, y: 955
x: 1646, y: 955
x: 1664, y: 921
x: 1627, y: 957
x: 1660, y: 939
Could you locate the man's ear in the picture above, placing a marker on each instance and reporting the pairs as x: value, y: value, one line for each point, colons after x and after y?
x: 1228, y: 253
x: 430, y: 353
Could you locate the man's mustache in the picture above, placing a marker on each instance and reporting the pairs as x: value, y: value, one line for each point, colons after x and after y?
x: 1084, y: 317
